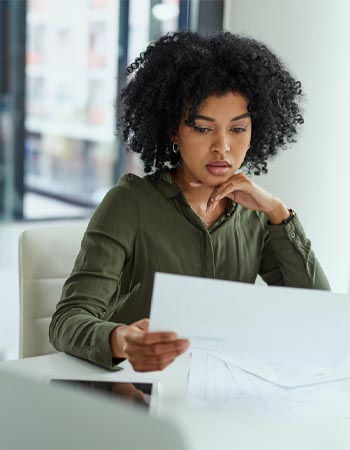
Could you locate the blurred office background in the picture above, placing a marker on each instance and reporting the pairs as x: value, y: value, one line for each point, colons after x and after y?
x: 61, y: 67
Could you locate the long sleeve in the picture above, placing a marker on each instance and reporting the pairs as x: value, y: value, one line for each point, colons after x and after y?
x: 288, y: 259
x: 80, y: 326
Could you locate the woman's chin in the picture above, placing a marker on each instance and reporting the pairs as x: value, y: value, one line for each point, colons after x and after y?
x: 216, y: 180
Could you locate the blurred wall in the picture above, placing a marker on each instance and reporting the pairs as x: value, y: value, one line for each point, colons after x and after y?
x: 313, y: 38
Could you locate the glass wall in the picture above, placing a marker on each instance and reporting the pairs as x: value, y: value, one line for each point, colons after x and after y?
x: 71, y: 66
x: 71, y: 151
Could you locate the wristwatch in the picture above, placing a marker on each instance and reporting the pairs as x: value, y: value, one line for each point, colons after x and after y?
x: 289, y: 218
x: 285, y: 221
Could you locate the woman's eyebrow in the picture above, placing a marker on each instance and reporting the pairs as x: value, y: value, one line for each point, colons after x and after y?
x: 211, y: 119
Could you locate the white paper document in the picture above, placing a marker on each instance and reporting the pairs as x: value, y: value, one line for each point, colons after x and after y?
x: 289, y: 336
x: 215, y: 382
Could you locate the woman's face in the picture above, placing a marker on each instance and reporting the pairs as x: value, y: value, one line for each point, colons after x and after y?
x: 214, y: 148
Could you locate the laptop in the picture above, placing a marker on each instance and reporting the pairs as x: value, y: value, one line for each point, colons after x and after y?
x: 35, y: 415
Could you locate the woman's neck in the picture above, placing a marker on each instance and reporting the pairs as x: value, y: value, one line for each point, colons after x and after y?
x: 197, y: 197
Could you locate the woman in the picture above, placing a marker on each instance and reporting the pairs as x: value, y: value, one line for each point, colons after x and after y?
x: 197, y: 109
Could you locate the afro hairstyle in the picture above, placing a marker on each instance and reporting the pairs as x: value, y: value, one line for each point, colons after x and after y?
x: 180, y: 70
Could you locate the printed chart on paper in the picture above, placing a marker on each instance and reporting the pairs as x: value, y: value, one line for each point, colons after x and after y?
x: 214, y: 381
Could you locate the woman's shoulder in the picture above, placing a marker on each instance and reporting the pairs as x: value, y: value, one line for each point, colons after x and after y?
x: 130, y: 190
x: 120, y: 203
x: 133, y: 183
x: 147, y: 187
x: 130, y: 179
x: 128, y: 185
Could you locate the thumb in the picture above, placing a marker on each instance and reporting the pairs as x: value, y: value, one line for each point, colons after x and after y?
x: 143, y: 324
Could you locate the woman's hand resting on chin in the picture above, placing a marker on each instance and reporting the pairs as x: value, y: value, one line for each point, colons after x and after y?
x: 245, y: 192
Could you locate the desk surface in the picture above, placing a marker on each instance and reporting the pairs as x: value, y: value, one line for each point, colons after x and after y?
x: 203, y: 428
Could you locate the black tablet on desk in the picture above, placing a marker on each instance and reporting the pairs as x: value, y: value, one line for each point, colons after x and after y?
x: 143, y: 395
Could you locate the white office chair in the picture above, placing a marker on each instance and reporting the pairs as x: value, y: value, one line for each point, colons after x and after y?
x: 46, y: 258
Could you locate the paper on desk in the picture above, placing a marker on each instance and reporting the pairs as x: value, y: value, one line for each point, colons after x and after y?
x: 214, y: 382
x: 284, y: 375
x: 261, y: 327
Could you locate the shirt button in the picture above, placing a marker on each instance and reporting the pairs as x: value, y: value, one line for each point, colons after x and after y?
x: 292, y: 235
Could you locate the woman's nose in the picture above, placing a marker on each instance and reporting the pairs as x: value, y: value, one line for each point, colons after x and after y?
x: 220, y: 145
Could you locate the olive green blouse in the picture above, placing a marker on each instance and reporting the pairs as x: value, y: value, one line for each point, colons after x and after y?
x: 142, y: 227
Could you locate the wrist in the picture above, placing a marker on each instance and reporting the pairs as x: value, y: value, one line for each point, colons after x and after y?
x: 116, y: 341
x: 278, y: 214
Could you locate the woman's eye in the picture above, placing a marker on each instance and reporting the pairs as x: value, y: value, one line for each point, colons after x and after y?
x: 239, y: 129
x: 202, y: 129
x: 206, y: 130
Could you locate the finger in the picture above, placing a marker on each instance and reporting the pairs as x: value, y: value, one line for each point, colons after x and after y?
x: 236, y: 182
x: 225, y: 191
x: 154, y: 359
x: 149, y: 368
x: 147, y: 338
x: 211, y: 204
x: 151, y: 365
x: 179, y: 346
x: 219, y: 195
x: 239, y: 183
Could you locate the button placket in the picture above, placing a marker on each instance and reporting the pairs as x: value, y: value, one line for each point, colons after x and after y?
x: 210, y: 272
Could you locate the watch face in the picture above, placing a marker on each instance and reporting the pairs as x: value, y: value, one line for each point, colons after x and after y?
x: 291, y: 215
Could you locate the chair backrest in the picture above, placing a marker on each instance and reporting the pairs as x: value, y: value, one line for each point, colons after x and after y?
x: 46, y: 258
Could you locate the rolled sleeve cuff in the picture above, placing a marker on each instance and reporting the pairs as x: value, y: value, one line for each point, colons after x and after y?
x: 101, y: 352
x: 288, y: 241
x: 286, y: 235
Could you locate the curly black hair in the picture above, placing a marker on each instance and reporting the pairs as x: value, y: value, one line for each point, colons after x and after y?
x: 180, y: 70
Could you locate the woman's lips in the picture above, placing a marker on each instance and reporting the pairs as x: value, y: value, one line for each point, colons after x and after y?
x: 218, y: 168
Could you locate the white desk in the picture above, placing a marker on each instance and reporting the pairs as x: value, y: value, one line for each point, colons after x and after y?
x: 204, y: 429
